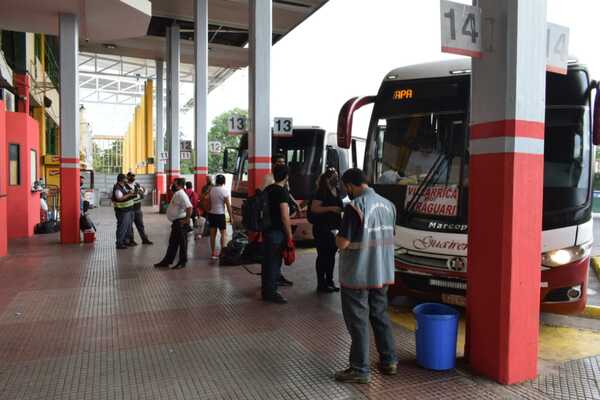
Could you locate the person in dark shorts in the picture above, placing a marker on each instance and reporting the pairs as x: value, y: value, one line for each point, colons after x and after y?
x: 276, y: 236
x: 220, y: 198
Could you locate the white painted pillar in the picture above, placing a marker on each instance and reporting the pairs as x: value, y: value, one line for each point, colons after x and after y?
x: 174, y: 40
x: 69, y: 125
x: 161, y: 185
x: 259, y: 127
x: 505, y: 191
x: 201, y: 92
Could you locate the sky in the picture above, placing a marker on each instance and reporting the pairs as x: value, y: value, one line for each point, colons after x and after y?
x: 344, y: 50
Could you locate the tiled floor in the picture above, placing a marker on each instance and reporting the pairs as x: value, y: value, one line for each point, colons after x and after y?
x: 91, y: 322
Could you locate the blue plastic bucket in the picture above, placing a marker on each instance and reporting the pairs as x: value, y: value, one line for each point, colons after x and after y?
x: 437, y: 326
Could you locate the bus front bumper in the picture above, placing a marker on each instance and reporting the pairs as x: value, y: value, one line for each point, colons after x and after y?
x: 563, y: 289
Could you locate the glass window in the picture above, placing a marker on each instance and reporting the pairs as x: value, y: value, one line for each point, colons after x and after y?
x: 33, y: 170
x: 566, y: 150
x: 14, y: 165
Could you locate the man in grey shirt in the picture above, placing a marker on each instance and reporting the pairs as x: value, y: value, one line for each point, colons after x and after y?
x: 366, y: 243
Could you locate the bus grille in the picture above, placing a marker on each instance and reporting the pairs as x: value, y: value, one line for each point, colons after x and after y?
x: 422, y: 261
x: 430, y: 284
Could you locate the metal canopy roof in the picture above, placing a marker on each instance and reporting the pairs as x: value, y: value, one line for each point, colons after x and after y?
x: 108, y: 68
x: 228, y: 30
x: 100, y: 20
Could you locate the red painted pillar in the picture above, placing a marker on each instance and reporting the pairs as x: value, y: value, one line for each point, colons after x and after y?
x: 161, y: 185
x: 505, y: 192
x: 69, y: 124
x: 3, y: 184
x: 172, y: 174
x: 200, y: 178
x: 259, y: 167
x: 23, y: 85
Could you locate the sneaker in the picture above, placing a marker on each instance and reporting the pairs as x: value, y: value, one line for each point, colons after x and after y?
x: 389, y: 369
x: 277, y: 298
x: 121, y: 246
x: 132, y: 243
x: 161, y: 265
x: 214, y: 256
x: 284, y: 282
x: 351, y: 375
x: 147, y: 242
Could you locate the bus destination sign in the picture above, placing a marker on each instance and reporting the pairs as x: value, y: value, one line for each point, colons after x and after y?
x: 403, y: 94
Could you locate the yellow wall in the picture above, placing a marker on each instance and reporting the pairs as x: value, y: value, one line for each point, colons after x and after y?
x: 138, y: 143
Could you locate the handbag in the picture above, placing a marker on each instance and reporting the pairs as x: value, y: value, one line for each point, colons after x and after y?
x: 204, y: 202
x: 289, y: 253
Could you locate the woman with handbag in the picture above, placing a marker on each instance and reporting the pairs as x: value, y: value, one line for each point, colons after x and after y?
x: 203, y: 209
x: 326, y: 216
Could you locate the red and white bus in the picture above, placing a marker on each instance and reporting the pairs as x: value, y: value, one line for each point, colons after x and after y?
x: 418, y: 143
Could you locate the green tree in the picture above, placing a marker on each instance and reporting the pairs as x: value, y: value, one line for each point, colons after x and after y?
x: 218, y: 133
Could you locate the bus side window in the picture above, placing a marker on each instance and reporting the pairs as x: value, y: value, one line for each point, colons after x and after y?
x: 332, y: 158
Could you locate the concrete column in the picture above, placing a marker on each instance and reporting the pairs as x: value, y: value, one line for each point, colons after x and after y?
x: 69, y: 124
x: 259, y: 127
x: 161, y: 183
x: 505, y: 191
x: 201, y: 92
x: 173, y: 169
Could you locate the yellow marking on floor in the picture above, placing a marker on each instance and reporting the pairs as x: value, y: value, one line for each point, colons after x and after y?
x: 555, y: 343
x: 591, y: 312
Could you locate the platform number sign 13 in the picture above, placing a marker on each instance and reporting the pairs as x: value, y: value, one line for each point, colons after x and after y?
x: 461, y: 29
x: 557, y: 48
x: 236, y: 125
x: 283, y: 126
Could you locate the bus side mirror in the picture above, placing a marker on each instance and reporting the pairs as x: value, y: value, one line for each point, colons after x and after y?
x: 345, y: 119
x: 596, y: 118
x: 228, y: 167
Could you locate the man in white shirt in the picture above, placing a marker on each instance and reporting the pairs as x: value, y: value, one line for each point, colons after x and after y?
x: 179, y: 213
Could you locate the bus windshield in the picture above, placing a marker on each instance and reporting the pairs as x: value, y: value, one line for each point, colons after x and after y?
x: 303, y: 153
x: 426, y: 154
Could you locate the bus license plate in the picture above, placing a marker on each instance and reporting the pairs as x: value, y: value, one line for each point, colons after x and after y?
x: 454, y: 299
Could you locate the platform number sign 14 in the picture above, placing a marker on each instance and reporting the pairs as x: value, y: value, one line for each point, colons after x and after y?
x: 461, y: 29
x: 557, y: 48
x: 283, y: 126
x: 236, y: 125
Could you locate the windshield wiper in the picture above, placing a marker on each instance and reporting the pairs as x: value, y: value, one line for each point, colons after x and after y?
x: 432, y: 176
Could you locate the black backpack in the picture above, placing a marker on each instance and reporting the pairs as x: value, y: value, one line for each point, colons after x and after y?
x: 256, y: 215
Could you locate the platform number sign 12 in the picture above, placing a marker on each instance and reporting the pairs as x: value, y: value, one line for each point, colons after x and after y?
x: 557, y: 48
x: 461, y: 29
x: 236, y: 125
x: 283, y: 126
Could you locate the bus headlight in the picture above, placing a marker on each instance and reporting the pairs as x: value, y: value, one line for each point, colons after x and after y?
x: 556, y: 258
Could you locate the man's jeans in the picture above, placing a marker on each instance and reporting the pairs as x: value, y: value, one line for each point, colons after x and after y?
x: 360, y: 306
x: 271, y: 263
x: 124, y: 221
x: 138, y: 220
